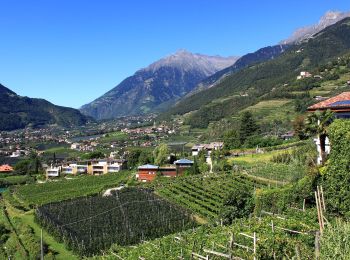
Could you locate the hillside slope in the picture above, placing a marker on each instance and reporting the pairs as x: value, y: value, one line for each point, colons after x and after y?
x: 157, y: 86
x: 263, y: 54
x: 244, y: 87
x: 19, y: 112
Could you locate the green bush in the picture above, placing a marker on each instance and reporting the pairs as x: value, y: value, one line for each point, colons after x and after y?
x: 336, y: 176
x: 238, y: 204
x: 335, y: 241
x: 279, y: 199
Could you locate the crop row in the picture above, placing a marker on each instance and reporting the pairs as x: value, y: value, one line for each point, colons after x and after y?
x: 271, y: 244
x: 203, y: 195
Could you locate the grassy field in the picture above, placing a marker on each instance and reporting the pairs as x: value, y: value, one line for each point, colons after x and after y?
x: 251, y: 159
x: 269, y: 110
x: 39, y: 194
x: 113, y: 137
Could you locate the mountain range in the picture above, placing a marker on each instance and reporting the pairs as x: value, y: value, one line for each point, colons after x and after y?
x: 19, y: 112
x: 265, y: 80
x: 183, y: 74
x: 158, y: 86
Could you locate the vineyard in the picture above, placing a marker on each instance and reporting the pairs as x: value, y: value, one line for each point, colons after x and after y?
x: 289, y: 236
x: 204, y: 195
x: 42, y: 193
x: 91, y: 224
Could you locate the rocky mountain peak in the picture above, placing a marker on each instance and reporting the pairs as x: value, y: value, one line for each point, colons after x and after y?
x: 329, y: 18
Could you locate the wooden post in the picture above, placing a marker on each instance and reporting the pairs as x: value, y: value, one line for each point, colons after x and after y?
x: 272, y: 227
x: 304, y: 205
x: 254, y: 248
x: 318, y: 211
x: 324, y: 205
x: 41, y: 245
x: 317, y: 245
x: 320, y: 206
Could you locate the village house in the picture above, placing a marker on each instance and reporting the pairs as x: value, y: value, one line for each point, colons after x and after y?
x: 340, y: 106
x: 75, y: 146
x: 207, y: 147
x: 304, y: 74
x: 92, y: 167
x: 149, y: 172
x: 53, y: 171
x: 6, y: 168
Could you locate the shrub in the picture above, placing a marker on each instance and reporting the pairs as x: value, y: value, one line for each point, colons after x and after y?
x: 238, y: 204
x: 335, y: 242
x: 336, y: 178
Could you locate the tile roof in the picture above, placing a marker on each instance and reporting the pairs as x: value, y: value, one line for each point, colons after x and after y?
x: 341, y: 100
x: 148, y: 166
x: 183, y: 161
x: 6, y: 168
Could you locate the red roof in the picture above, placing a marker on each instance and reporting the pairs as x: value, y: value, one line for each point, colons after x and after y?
x: 340, y: 101
x: 6, y: 168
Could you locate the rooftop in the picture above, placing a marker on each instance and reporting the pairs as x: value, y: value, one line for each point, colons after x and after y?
x: 183, y: 161
x: 340, y: 101
x: 148, y: 166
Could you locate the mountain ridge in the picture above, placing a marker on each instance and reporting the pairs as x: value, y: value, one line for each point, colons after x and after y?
x: 161, y: 83
x: 18, y: 112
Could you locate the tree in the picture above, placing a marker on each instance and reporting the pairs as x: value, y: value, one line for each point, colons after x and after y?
x: 231, y: 140
x: 299, y: 127
x: 133, y: 157
x: 317, y: 124
x: 248, y: 126
x: 29, y: 166
x: 94, y: 155
x: 161, y: 153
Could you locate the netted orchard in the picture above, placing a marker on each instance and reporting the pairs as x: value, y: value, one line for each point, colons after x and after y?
x: 91, y: 224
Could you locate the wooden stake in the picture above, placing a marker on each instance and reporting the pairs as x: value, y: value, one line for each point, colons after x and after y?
x: 41, y: 245
x: 254, y: 246
x: 317, y: 245
x: 318, y: 211
x: 304, y: 205
x: 324, y: 205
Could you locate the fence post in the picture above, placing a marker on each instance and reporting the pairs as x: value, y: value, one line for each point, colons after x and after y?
x: 317, y: 245
x: 254, y: 248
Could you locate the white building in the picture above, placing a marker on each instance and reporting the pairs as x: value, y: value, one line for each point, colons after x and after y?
x: 53, y: 171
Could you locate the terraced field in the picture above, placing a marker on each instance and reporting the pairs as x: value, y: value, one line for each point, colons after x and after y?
x: 204, y: 195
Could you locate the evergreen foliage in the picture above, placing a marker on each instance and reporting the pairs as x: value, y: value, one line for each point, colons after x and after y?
x: 336, y: 175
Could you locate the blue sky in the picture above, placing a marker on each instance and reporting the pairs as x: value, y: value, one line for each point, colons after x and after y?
x: 73, y: 51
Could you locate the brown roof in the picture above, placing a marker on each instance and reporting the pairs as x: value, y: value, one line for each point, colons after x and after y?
x: 333, y: 102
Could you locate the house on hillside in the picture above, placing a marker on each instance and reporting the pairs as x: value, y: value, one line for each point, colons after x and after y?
x: 182, y: 165
x: 340, y: 106
x: 207, y: 147
x: 149, y: 172
x: 91, y: 167
x: 53, y: 171
x: 304, y: 74
x: 6, y: 168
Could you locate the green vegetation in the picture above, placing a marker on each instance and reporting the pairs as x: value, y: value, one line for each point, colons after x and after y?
x: 278, y: 243
x: 335, y: 177
x: 203, y: 195
x: 335, y: 242
x: 19, y: 112
x: 274, y: 79
x: 42, y: 193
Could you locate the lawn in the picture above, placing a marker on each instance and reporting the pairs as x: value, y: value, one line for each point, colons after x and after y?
x: 39, y: 194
